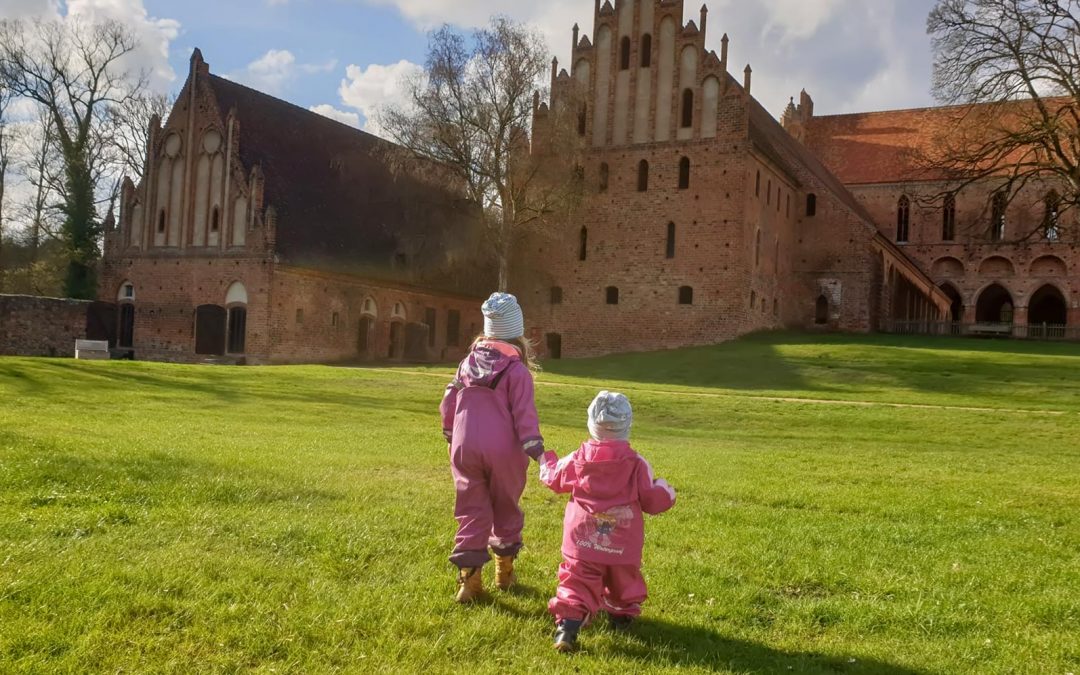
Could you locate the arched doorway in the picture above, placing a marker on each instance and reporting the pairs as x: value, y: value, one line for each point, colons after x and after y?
x: 236, y: 300
x: 956, y: 309
x: 995, y: 305
x: 1047, y: 306
x: 821, y: 310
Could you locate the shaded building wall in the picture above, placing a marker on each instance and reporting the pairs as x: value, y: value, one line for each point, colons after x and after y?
x: 36, y: 326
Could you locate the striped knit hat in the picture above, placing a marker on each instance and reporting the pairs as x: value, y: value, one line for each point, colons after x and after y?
x: 502, y: 317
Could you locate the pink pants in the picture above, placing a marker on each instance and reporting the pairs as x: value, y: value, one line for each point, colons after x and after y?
x: 587, y: 587
x: 489, y: 486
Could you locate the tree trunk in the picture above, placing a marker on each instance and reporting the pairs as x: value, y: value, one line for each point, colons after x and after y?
x: 80, y: 229
x: 506, y: 231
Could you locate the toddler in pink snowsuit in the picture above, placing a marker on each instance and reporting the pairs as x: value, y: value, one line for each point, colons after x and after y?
x: 489, y: 419
x: 610, y: 487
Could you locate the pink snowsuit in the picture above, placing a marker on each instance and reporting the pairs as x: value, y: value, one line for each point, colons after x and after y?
x: 489, y: 419
x: 603, y: 529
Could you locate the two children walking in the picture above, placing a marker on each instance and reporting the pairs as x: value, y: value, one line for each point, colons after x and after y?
x: 490, y: 421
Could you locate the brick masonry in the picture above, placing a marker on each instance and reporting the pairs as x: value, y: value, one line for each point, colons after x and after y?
x: 34, y: 326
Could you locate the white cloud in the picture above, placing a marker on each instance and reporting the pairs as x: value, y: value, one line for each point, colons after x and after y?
x: 343, y: 116
x: 369, y: 89
x: 276, y: 69
x: 845, y: 52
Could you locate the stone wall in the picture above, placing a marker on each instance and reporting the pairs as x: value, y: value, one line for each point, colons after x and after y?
x: 34, y: 326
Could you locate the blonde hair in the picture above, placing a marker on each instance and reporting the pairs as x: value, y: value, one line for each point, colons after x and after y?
x: 525, y: 347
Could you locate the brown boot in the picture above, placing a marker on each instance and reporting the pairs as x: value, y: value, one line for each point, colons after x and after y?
x: 470, y: 584
x: 504, y: 572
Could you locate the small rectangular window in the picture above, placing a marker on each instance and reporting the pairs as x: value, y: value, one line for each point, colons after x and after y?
x: 453, y: 328
x: 612, y: 295
x: 299, y: 316
x: 334, y: 319
x: 556, y: 295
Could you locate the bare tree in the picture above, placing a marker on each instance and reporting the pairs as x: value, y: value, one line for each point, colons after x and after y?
x: 1013, y: 67
x: 40, y: 167
x: 5, y: 161
x: 130, y: 122
x: 470, y: 111
x: 73, y: 70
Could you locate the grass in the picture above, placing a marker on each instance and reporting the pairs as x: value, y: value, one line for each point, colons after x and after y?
x: 159, y: 518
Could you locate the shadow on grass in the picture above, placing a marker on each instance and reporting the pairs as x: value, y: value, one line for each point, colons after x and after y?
x: 842, y: 363
x: 656, y: 641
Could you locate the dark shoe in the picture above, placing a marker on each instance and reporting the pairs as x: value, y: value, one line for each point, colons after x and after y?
x: 566, y: 635
x: 621, y: 622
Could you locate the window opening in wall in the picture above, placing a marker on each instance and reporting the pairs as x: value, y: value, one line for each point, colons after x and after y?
x: 787, y: 207
x: 369, y: 305
x: 1052, y: 206
x: 161, y: 221
x: 237, y: 330
x: 757, y: 185
x: 334, y: 318
x: 128, y: 291
x: 556, y: 295
x: 612, y: 293
x: 997, y: 216
x: 429, y: 319
x: 554, y: 345
x: 821, y: 310
x: 775, y: 307
x: 753, y: 300
x: 684, y: 173
x: 642, y: 176
x: 768, y: 193
x: 215, y: 219
x: 646, y: 50
x: 583, y: 251
x: 582, y: 118
x: 670, y: 250
x: 778, y: 199
x: 687, y: 108
x: 811, y: 205
x: 299, y: 316
x: 757, y: 249
x: 948, y: 219
x: 903, y: 219
x: 453, y: 328
x: 624, y: 54
x: 686, y: 295
x: 603, y: 177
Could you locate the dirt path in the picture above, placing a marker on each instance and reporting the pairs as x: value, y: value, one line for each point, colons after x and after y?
x: 769, y: 399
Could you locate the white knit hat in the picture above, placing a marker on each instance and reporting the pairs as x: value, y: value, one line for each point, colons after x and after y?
x: 502, y: 317
x: 610, y: 417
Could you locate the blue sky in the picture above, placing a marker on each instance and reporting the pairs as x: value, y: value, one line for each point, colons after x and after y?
x: 346, y: 56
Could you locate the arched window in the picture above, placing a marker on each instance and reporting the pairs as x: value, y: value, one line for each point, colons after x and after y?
x: 821, y: 310
x: 1052, y: 204
x: 686, y: 295
x: 582, y: 118
x: 215, y: 219
x: 757, y: 185
x: 811, y: 205
x: 948, y: 219
x: 684, y: 173
x: 768, y: 193
x: 624, y: 54
x: 997, y: 216
x: 556, y: 295
x: 646, y: 50
x: 583, y: 252
x: 687, y: 108
x: 161, y: 221
x: 778, y: 199
x: 757, y: 249
x: 642, y: 176
x: 603, y: 177
x: 670, y: 251
x: 903, y: 219
x: 612, y: 293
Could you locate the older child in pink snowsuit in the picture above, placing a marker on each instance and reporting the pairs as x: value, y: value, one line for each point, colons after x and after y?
x: 610, y: 486
x: 489, y: 419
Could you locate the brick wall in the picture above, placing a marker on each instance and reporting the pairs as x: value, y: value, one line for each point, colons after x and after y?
x: 33, y: 326
x: 317, y: 317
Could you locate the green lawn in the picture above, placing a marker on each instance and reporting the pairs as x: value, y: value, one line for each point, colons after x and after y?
x: 158, y: 518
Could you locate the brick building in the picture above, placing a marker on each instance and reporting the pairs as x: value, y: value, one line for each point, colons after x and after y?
x: 1016, y: 264
x: 702, y: 218
x: 267, y: 233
